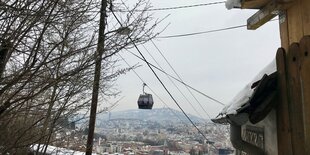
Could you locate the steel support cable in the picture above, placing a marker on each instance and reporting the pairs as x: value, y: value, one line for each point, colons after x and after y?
x: 181, y: 7
x: 166, y: 89
x: 207, y: 96
x: 204, y: 32
x: 174, y: 72
x: 169, y: 8
x: 179, y: 77
x: 173, y: 82
x: 151, y: 89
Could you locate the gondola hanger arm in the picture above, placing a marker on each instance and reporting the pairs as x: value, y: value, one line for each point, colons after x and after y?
x: 144, y: 84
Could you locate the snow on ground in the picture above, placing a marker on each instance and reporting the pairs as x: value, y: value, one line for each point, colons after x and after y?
x: 53, y: 150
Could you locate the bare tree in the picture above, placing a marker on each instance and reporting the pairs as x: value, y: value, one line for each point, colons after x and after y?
x: 47, y: 63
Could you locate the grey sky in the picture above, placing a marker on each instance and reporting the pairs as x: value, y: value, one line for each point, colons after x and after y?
x: 219, y: 64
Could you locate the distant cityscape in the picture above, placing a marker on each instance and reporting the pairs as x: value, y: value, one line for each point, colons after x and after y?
x: 145, y: 136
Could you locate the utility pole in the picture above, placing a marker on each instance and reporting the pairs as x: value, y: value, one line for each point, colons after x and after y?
x: 98, y: 59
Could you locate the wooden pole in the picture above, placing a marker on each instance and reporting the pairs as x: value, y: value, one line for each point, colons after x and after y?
x: 98, y: 58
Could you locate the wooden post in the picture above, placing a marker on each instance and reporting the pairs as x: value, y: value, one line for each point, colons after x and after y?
x: 295, y: 98
x: 305, y: 88
x: 283, y: 122
x: 295, y: 22
x: 284, y: 30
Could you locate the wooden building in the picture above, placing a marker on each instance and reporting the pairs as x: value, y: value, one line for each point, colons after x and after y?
x: 272, y: 114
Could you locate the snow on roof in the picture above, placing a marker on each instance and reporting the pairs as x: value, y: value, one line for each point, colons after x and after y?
x: 53, y: 150
x: 232, y: 4
x: 244, y: 95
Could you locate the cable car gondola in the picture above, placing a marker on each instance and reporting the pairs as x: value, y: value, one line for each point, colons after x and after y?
x: 145, y: 100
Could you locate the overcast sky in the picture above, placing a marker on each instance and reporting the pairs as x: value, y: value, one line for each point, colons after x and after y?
x: 219, y: 64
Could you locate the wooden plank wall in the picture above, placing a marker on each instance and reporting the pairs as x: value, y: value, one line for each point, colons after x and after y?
x: 293, y: 110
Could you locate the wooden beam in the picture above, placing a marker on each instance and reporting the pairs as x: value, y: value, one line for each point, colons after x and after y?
x: 266, y: 13
x: 305, y: 7
x: 259, y: 4
x: 294, y: 17
x: 296, y: 22
x: 253, y: 4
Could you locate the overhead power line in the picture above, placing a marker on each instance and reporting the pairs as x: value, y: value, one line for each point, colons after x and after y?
x: 151, y: 89
x: 204, y: 32
x: 163, y: 85
x: 179, y: 7
x: 173, y: 82
x: 179, y: 77
x: 161, y: 53
x: 207, y: 96
x: 167, y: 8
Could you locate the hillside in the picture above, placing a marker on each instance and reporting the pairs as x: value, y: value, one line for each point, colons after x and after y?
x: 157, y: 115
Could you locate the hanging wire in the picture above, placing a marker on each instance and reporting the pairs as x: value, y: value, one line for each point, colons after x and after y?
x: 173, y: 82
x: 181, y: 7
x: 207, y: 96
x: 204, y: 32
x: 169, y: 8
x: 164, y: 86
x: 152, y: 90
x: 179, y: 78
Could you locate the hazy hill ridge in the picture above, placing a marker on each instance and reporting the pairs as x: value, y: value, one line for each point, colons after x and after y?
x: 156, y: 115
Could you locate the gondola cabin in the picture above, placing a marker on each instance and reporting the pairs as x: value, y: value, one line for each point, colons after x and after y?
x: 145, y: 101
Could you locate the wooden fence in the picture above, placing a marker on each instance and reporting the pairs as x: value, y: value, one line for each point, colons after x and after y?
x: 293, y: 110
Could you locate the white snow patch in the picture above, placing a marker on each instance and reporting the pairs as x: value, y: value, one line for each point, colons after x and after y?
x: 232, y: 4
x: 244, y: 95
x: 53, y: 150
